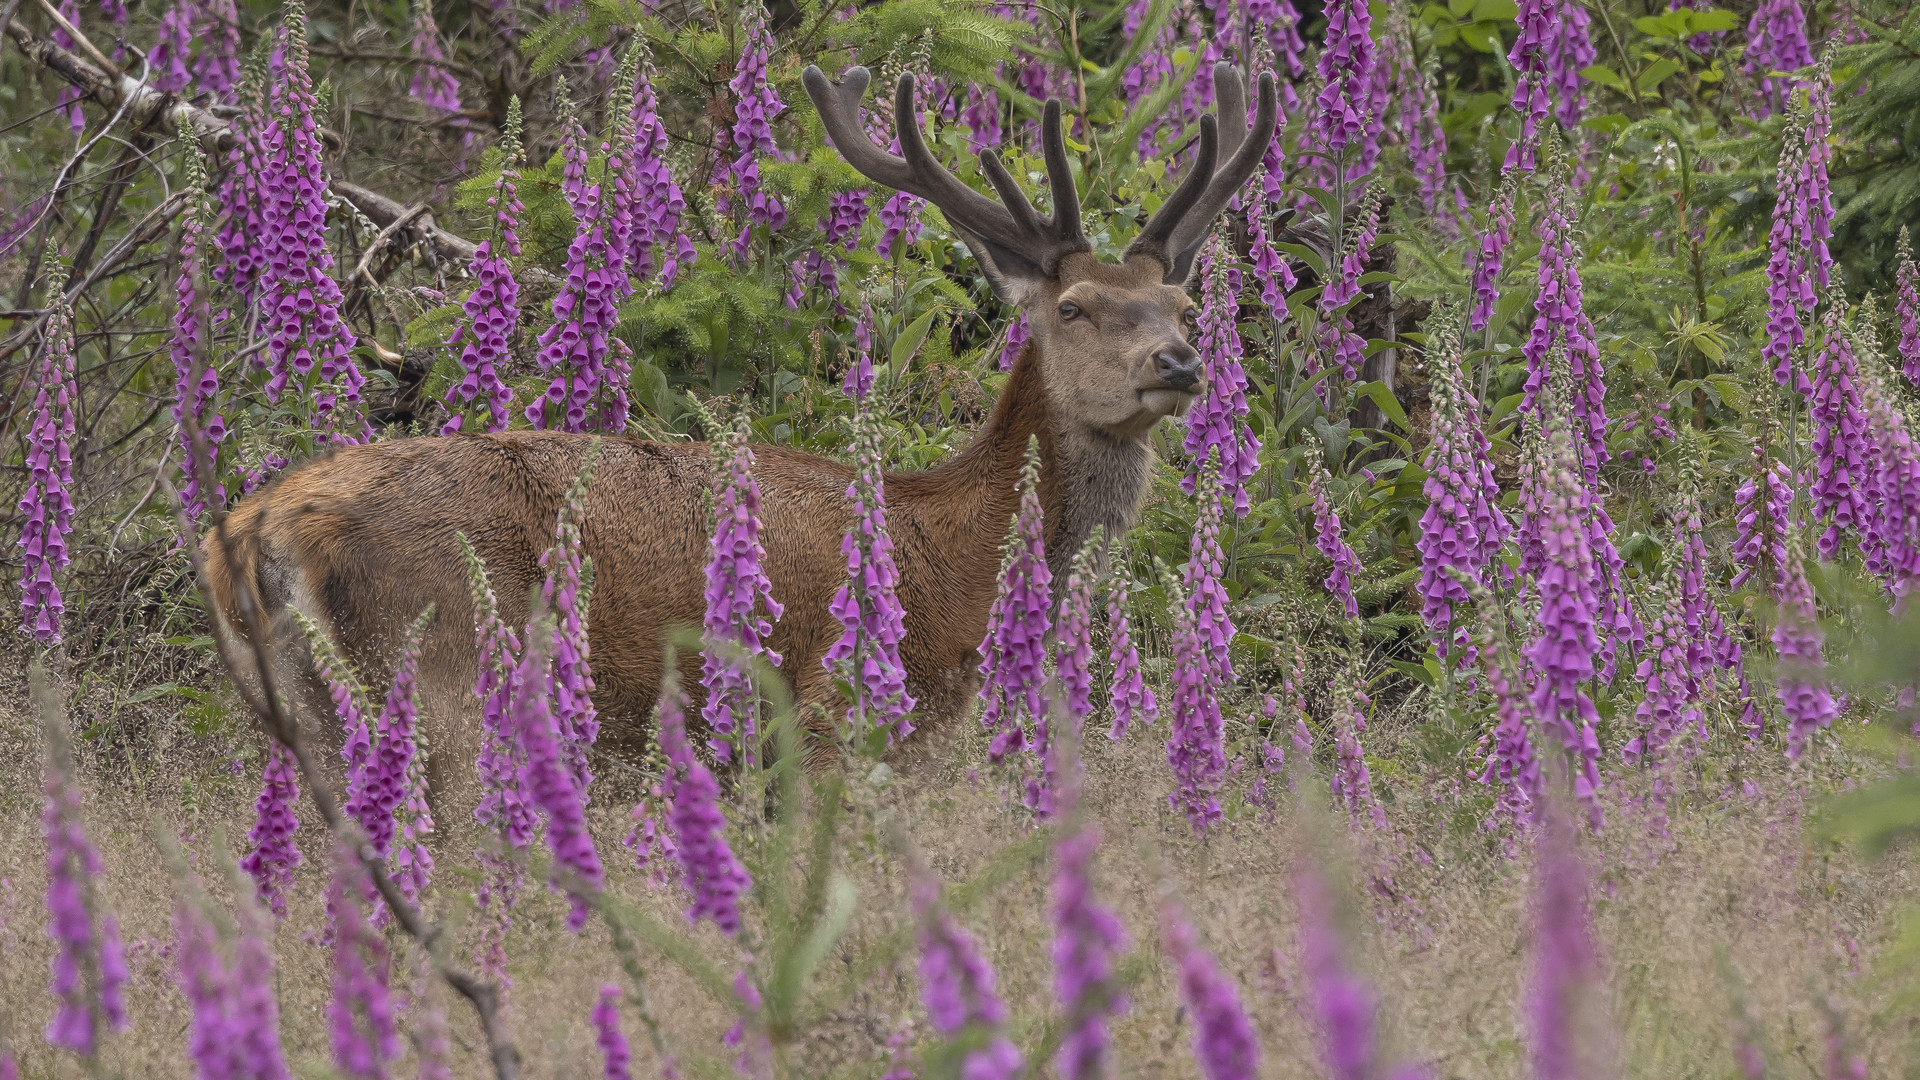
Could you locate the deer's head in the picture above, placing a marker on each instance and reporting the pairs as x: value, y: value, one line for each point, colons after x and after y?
x: 1112, y: 339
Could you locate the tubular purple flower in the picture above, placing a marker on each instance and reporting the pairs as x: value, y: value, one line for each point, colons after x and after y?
x: 1351, y: 783
x: 1776, y: 41
x: 433, y: 85
x: 1565, y: 968
x: 981, y: 117
x: 1418, y: 106
x: 492, y: 309
x: 1337, y: 338
x: 1131, y: 697
x: 1512, y: 765
x: 1561, y: 323
x: 202, y: 980
x: 956, y: 985
x: 1906, y: 308
x: 1196, y: 749
x: 1270, y: 268
x: 1845, y: 485
x: 1895, y: 528
x: 657, y: 200
x: 1340, y: 118
x: 1014, y: 652
x: 589, y: 368
x: 46, y: 506
x: 175, y: 65
x: 1073, y: 652
x: 1801, y: 671
x: 867, y: 605
x: 1217, y: 423
x: 1327, y: 538
x: 1087, y: 937
x: 1667, y: 708
x: 1463, y: 527
x: 1763, y: 518
x: 713, y: 875
x: 650, y: 839
x: 1568, y: 642
x: 384, y: 781
x: 301, y: 302
x: 545, y: 777
x: 1343, y: 1004
x: 1798, y: 262
x: 503, y: 811
x: 1571, y: 53
x: 565, y: 593
x: 738, y: 593
x: 1016, y: 343
x: 234, y: 1032
x: 612, y: 1041
x: 243, y: 228
x: 756, y: 103
x: 89, y: 970
x: 1552, y: 48
x: 271, y: 861
x: 1487, y: 258
x: 1202, y: 578
x: 360, y: 1019
x: 196, y: 380
x: 1224, y: 1044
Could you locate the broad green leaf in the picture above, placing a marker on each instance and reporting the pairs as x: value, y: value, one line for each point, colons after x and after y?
x: 1655, y: 74
x: 1605, y: 76
x: 909, y: 342
x: 1390, y: 405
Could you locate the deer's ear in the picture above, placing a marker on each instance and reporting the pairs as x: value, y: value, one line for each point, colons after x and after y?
x: 1013, y: 279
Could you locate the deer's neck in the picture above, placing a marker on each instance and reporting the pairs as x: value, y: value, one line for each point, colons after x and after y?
x: 1087, y: 477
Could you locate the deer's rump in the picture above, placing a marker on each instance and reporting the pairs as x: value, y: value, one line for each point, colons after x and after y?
x: 364, y: 538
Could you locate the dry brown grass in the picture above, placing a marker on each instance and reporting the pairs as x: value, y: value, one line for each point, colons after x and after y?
x: 1447, y: 954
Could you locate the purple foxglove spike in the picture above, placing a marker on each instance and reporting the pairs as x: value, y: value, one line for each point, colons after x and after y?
x: 1073, y: 654
x: 1906, y: 309
x: 492, y: 309
x: 1417, y: 103
x: 1351, y: 783
x: 1088, y: 940
x: 89, y: 968
x: 1895, y: 528
x: 1667, y: 709
x: 384, y: 787
x: 1763, y: 516
x: 1846, y: 485
x: 433, y: 85
x: 360, y: 1016
x: 273, y: 857
x: 1560, y: 1005
x: 1801, y: 670
x: 1340, y: 116
x: 1464, y: 526
x: 1224, y: 1043
x: 714, y: 876
x: 1196, y: 750
x: 957, y: 985
x: 235, y: 1026
x: 867, y: 606
x: 612, y: 1041
x: 1561, y: 323
x: 1217, y: 423
x: 564, y: 593
x: 756, y: 104
x: 1013, y: 653
x: 741, y: 609
x: 859, y: 381
x: 1132, y: 698
x: 1491, y: 252
x: 196, y: 380
x: 1512, y: 764
x: 307, y: 340
x: 651, y: 839
x: 241, y: 237
x: 1568, y: 642
x: 659, y: 201
x: 504, y: 813
x: 583, y: 394
x: 1798, y: 262
x: 1203, y: 578
x: 46, y: 505
x: 1016, y: 344
x: 1337, y: 337
x: 546, y: 778
x: 203, y: 982
x: 1776, y: 41
x: 1343, y: 1003
x: 1329, y: 541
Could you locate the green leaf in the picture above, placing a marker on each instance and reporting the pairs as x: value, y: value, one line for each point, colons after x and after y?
x: 1495, y: 10
x: 1503, y: 408
x: 1605, y: 76
x: 1655, y: 74
x: 909, y: 342
x: 1383, y: 397
x: 1481, y: 37
x: 1712, y: 20
x: 1417, y: 672
x: 1608, y: 124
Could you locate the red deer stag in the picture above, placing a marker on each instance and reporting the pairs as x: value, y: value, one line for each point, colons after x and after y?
x: 363, y: 538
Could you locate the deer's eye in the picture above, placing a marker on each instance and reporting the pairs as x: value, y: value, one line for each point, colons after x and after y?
x: 1190, y: 318
x: 1069, y: 312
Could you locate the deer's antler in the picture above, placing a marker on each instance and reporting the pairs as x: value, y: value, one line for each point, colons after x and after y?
x: 1174, y: 233
x: 1010, y: 236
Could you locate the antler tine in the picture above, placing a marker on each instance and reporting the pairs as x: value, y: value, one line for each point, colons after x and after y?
x: 1155, y: 237
x: 1247, y: 147
x: 1066, y: 199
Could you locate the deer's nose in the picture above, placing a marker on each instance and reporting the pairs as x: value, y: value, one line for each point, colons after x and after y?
x: 1177, y: 365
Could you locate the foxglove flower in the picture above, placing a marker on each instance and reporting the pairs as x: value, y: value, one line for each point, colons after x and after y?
x: 1270, y: 269
x: 1196, y: 740
x: 1327, y: 538
x: 590, y: 367
x: 215, y: 66
x: 1896, y: 470
x: 1564, y: 649
x: 1016, y: 344
x: 1014, y: 652
x: 235, y: 1028
x: 384, y: 781
x: 612, y: 1041
x: 1571, y: 53
x: 503, y: 812
x: 868, y: 603
x: 1763, y: 518
x: 565, y: 593
x: 1202, y: 578
x: 1776, y: 41
x: 657, y: 202
x: 89, y: 968
x: 360, y: 1016
x: 1418, y: 106
x: 1552, y: 49
x: 492, y: 309
x: 1845, y: 484
x: 650, y: 839
x: 1343, y: 1004
x: 1336, y: 337
x: 713, y: 875
x: 956, y: 985
x: 1561, y: 323
x: 350, y: 706
x: 1073, y: 654
x: 271, y: 860
x: 1132, y: 698
x: 756, y: 103
x: 1463, y: 527
x: 740, y: 605
x: 1491, y: 252
x: 1340, y: 118
x: 1224, y: 1044
x: 46, y: 507
x: 1513, y: 767
x: 196, y: 380
x: 1801, y: 672
x: 433, y: 85
x: 981, y: 117
x: 1667, y: 708
x: 1087, y: 941
x: 301, y: 302
x: 1798, y: 262
x: 243, y: 228
x: 544, y: 776
x: 1906, y: 308
x: 1217, y: 423
x: 1565, y: 967
x: 1709, y: 646
x: 1351, y: 783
